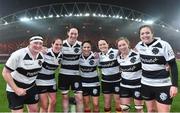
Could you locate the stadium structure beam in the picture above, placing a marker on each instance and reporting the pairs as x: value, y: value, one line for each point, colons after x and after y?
x: 76, y: 8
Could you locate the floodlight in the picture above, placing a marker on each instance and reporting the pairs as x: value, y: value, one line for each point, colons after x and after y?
x: 149, y: 22
x: 24, y: 19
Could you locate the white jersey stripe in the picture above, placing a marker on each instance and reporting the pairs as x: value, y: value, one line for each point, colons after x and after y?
x: 46, y: 76
x: 154, y: 58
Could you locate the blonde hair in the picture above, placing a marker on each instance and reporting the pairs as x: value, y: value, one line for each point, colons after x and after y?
x: 123, y: 38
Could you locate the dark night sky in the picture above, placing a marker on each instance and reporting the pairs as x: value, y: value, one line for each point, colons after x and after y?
x: 165, y: 10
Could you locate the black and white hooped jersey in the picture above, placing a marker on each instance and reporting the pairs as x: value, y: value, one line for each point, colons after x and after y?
x: 47, y: 74
x: 70, y: 60
x: 88, y: 70
x: 131, y: 71
x: 24, y: 68
x: 109, y: 66
x: 154, y: 58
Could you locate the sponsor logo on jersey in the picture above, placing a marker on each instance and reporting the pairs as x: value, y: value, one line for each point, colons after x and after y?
x: 170, y: 53
x: 129, y: 69
x: 33, y: 73
x: 149, y: 60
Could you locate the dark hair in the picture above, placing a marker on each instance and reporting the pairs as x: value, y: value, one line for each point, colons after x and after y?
x: 148, y: 26
x: 54, y: 40
x: 104, y: 40
x: 72, y: 28
x: 86, y: 41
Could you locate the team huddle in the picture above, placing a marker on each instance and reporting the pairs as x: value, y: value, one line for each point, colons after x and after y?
x: 122, y: 74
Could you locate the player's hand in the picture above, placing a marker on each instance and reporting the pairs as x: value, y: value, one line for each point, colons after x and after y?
x: 44, y: 50
x: 167, y: 67
x: 173, y: 91
x: 96, y: 55
x: 20, y: 91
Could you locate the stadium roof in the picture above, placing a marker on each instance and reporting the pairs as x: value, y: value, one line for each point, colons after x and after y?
x: 165, y: 10
x: 41, y: 18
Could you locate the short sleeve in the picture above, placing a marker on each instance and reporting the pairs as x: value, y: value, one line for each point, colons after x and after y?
x: 168, y: 52
x: 12, y: 62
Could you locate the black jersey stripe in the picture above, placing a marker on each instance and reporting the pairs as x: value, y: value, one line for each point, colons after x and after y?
x: 156, y: 74
x: 49, y: 66
x: 71, y: 57
x: 87, y: 68
x: 113, y: 77
x: 70, y: 67
x: 90, y: 80
x: 146, y: 59
x: 131, y: 82
x: 131, y: 68
x: 28, y: 73
x: 23, y: 85
x: 45, y: 77
x: 109, y: 64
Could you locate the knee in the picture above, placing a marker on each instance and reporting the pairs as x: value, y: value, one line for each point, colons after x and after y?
x: 53, y: 101
x: 33, y: 109
x: 79, y: 101
x: 96, y: 105
x: 96, y: 108
x: 79, y: 98
x: 44, y: 107
x: 151, y: 110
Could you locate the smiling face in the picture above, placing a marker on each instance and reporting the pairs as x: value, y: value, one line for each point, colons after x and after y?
x: 86, y: 49
x: 103, y: 46
x: 57, y: 45
x: 72, y: 35
x: 146, y: 35
x: 123, y: 46
x: 36, y: 47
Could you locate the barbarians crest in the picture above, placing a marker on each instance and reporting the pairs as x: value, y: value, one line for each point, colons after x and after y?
x: 137, y: 94
x: 91, y: 62
x: 163, y: 96
x: 95, y: 91
x: 111, y: 56
x: 76, y: 50
x: 133, y: 59
x: 155, y: 51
